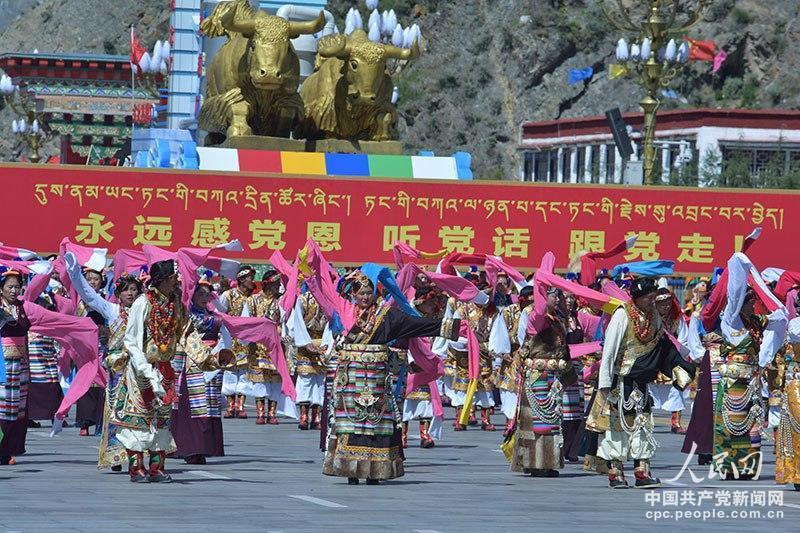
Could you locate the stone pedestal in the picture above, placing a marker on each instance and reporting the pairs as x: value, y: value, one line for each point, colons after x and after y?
x: 256, y: 142
x: 340, y: 146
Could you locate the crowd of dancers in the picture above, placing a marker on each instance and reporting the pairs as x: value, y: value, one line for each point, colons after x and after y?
x: 154, y: 348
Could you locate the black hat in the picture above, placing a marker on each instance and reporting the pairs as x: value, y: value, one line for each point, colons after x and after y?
x: 244, y: 271
x: 161, y: 271
x: 642, y: 286
x: 271, y: 276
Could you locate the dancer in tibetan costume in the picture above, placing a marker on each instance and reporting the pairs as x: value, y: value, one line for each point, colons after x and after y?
x: 17, y: 318
x: 365, y: 441
x: 196, y: 415
x: 90, y: 407
x: 545, y: 369
x: 457, y: 366
x: 157, y: 323
x: 239, y: 301
x: 635, y: 350
x: 515, y: 318
x: 664, y: 395
x: 45, y: 392
x: 573, y: 404
x: 14, y: 327
x: 309, y: 361
x: 787, y: 445
x: 750, y: 344
x: 261, y: 372
x: 418, y: 403
x: 126, y: 289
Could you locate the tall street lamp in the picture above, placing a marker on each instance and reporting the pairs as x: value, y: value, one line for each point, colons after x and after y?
x: 30, y: 127
x: 653, y: 56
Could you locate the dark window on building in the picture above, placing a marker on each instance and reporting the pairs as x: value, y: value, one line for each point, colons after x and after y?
x: 527, y: 166
x: 88, y: 118
x: 108, y: 120
x: 86, y: 140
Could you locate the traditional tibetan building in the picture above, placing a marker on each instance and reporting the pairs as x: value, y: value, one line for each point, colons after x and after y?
x: 85, y: 98
x: 582, y: 150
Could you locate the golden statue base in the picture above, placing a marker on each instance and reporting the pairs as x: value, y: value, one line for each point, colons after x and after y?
x: 339, y: 146
x: 256, y: 142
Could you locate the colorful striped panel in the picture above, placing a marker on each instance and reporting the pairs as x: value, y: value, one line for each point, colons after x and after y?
x: 303, y: 163
x: 434, y: 167
x: 390, y: 166
x: 347, y: 164
x: 218, y: 158
x: 333, y: 164
x: 260, y: 161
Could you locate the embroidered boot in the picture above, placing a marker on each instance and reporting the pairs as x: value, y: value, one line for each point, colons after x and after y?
x: 404, y: 438
x: 157, y: 472
x: 616, y: 477
x: 509, y: 427
x: 303, y: 417
x: 136, y: 467
x: 260, y: 418
x: 473, y: 420
x: 486, y: 421
x: 643, y: 478
x: 316, y: 422
x: 240, y: 412
x: 425, y: 440
x: 457, y: 425
x: 230, y: 412
x: 676, y: 423
x: 272, y: 418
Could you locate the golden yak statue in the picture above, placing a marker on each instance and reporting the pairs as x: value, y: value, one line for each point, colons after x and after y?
x: 253, y: 79
x: 348, y: 96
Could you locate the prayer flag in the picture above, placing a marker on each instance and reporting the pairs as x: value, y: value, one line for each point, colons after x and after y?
x: 618, y: 71
x: 701, y: 50
x: 719, y: 59
x: 578, y: 75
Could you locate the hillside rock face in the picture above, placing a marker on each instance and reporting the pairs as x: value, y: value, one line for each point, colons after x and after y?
x: 488, y: 65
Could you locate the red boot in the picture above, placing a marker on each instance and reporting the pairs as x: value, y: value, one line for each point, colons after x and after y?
x: 486, y: 421
x: 457, y: 425
x: 230, y: 412
x: 84, y: 431
x: 509, y: 427
x: 404, y: 438
x: 240, y: 412
x: 157, y: 472
x: 260, y: 419
x: 425, y: 440
x: 473, y: 421
x: 676, y: 423
x: 272, y: 418
x: 303, y: 417
x: 136, y: 467
x: 315, y: 417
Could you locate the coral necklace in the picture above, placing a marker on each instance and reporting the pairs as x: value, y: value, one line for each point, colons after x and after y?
x: 162, y: 323
x: 641, y: 323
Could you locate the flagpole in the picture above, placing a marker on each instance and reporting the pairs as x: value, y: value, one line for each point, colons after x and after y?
x: 133, y: 93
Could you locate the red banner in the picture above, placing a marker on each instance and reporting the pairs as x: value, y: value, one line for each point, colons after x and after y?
x: 357, y: 220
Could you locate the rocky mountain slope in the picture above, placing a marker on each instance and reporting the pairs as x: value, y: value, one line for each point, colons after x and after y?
x: 489, y: 64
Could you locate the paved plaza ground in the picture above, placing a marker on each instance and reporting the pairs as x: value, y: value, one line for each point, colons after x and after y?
x: 271, y: 481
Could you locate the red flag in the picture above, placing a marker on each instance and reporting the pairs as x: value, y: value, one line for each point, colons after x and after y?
x: 137, y: 50
x: 702, y: 50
